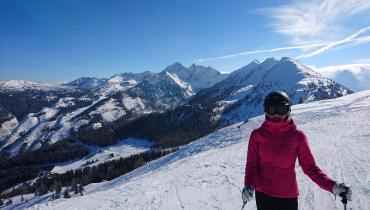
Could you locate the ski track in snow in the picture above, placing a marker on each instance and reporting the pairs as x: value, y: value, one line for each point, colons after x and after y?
x: 208, y: 173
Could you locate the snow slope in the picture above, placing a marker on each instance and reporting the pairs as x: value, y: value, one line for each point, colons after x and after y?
x: 123, y: 149
x: 208, y: 173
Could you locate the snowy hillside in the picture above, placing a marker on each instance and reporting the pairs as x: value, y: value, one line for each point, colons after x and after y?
x: 99, y: 155
x: 208, y: 173
x: 240, y: 96
x: 92, y: 102
x: 354, y: 76
x: 161, y: 91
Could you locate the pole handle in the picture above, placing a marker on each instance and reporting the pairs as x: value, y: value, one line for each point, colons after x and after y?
x: 343, y: 195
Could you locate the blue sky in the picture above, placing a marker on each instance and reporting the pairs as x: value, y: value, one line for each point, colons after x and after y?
x: 61, y: 40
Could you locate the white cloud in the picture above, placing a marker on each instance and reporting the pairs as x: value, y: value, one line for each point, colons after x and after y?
x: 344, y: 66
x: 312, y: 25
x: 360, y: 70
x: 314, y: 21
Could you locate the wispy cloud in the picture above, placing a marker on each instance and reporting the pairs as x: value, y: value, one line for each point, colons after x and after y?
x: 353, y: 39
x: 312, y: 25
x: 71, y: 25
x: 314, y: 21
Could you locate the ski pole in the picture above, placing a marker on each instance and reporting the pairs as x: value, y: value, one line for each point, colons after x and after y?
x: 344, y: 198
x: 240, y: 132
x: 243, y: 205
x: 243, y: 202
x: 241, y: 140
x: 343, y: 194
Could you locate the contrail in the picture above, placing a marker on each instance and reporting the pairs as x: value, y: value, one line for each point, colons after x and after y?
x: 263, y: 51
x: 351, y: 38
x: 323, y: 47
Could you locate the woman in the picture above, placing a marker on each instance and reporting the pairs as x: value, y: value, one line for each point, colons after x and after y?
x: 272, y: 152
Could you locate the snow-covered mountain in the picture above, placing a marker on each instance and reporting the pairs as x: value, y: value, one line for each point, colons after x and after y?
x: 240, y: 96
x: 127, y: 96
x: 354, y: 76
x: 208, y: 173
x: 116, y: 83
x: 87, y: 83
x: 22, y: 85
x: 90, y: 102
x: 123, y: 81
x: 197, y: 76
x: 161, y: 91
x: 250, y: 74
x: 237, y: 98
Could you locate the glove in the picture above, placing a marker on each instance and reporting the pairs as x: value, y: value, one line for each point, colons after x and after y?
x: 247, y: 194
x: 342, y: 190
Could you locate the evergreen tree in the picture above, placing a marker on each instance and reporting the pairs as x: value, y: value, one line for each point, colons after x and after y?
x: 57, y: 187
x: 56, y: 195
x: 74, y: 187
x: 66, y: 194
x: 9, y: 202
x: 25, y: 188
x: 80, y: 189
x: 42, y: 189
x: 301, y: 100
x: 85, y: 180
x: 111, y: 172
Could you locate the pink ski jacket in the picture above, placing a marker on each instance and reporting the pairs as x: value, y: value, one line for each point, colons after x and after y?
x: 272, y: 152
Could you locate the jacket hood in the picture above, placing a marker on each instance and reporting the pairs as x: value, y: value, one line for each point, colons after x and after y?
x: 278, y: 128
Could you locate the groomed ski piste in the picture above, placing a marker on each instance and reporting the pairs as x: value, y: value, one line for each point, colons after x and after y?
x: 208, y: 173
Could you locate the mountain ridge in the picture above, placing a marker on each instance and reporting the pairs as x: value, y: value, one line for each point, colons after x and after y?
x: 235, y: 98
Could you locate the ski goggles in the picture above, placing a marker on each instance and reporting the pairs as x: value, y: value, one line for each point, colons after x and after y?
x: 279, y: 109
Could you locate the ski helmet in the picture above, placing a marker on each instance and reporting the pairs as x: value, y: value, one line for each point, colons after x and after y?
x: 277, y: 102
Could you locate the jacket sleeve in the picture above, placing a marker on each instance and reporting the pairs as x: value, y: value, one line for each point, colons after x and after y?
x: 252, y: 161
x: 307, y: 162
